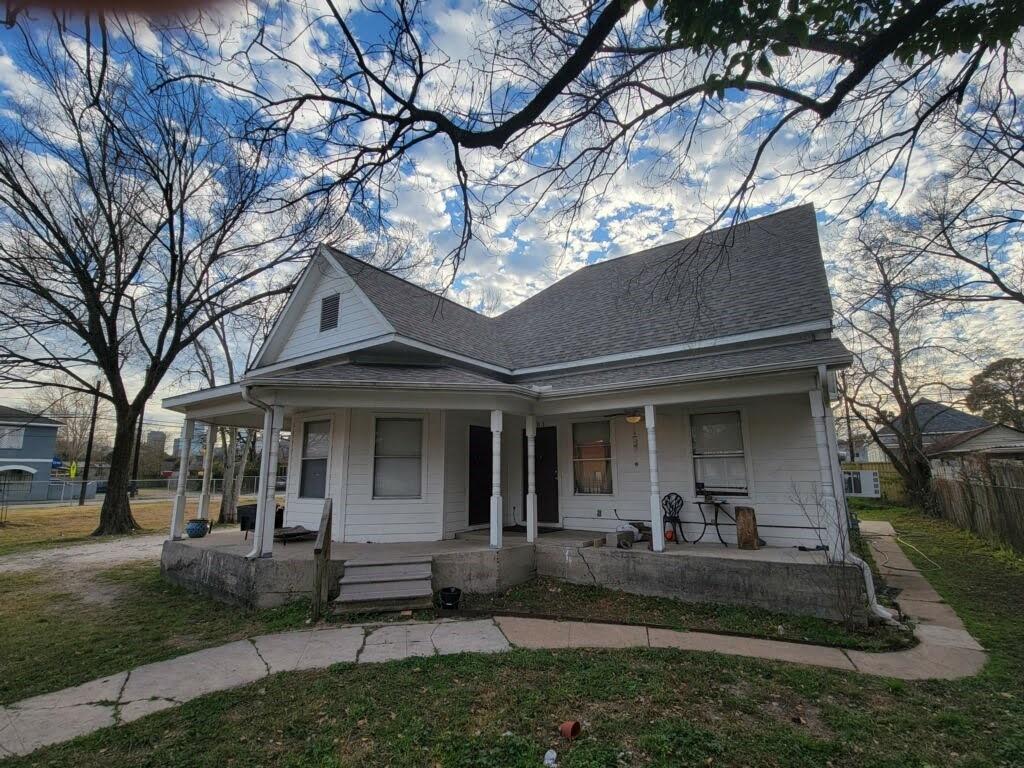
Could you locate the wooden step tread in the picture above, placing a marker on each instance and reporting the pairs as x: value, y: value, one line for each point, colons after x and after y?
x: 357, y: 578
x: 374, y: 561
x: 385, y: 590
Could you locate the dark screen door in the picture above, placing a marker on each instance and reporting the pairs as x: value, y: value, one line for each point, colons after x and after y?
x: 546, y: 468
x: 479, y: 475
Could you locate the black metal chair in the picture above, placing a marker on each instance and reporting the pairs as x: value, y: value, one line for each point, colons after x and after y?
x: 671, y: 508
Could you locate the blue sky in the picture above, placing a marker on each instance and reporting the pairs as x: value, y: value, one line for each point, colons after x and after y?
x: 643, y: 205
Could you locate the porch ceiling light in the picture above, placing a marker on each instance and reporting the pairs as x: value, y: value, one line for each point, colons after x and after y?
x: 634, y: 418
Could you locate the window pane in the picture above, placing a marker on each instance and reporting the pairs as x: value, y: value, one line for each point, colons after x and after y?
x: 716, y: 433
x: 399, y: 437
x: 592, y: 476
x: 316, y: 439
x: 12, y: 437
x: 313, y: 479
x: 721, y: 472
x: 591, y: 440
x: 396, y: 477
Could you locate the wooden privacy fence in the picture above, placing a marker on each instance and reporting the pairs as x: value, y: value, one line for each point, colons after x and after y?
x: 889, y: 479
x: 985, y: 496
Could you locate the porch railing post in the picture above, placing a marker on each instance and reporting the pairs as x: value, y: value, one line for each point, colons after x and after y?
x: 178, y: 508
x: 270, y: 505
x: 321, y: 563
x: 496, y: 509
x: 531, y: 478
x: 657, y: 525
x: 204, y: 497
x: 261, y: 487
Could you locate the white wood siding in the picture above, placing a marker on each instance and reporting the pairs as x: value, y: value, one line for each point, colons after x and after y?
x: 357, y: 318
x: 389, y: 520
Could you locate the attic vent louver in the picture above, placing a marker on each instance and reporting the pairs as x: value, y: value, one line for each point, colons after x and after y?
x: 329, y: 312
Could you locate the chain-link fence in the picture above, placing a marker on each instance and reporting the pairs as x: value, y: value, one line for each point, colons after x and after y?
x: 68, y: 489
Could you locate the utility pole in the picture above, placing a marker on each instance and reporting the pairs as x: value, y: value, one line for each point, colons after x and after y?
x: 88, y: 446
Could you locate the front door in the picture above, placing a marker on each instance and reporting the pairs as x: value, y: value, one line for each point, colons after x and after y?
x: 479, y: 475
x: 546, y: 469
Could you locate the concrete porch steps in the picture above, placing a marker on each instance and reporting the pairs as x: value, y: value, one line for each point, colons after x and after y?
x: 385, y: 585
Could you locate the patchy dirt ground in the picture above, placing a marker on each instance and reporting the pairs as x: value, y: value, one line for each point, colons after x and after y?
x: 86, y: 557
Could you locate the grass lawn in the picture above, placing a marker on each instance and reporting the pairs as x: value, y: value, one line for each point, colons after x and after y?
x: 53, y: 637
x: 639, y: 708
x: 32, y: 527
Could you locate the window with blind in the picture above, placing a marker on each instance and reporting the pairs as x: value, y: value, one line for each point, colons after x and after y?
x: 316, y: 441
x: 329, y: 311
x: 398, y: 459
x: 592, y: 457
x: 12, y: 438
x: 719, y: 461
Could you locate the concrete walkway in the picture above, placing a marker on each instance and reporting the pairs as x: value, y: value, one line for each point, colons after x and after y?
x: 945, y: 651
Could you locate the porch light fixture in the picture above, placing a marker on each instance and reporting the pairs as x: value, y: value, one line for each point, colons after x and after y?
x: 634, y: 418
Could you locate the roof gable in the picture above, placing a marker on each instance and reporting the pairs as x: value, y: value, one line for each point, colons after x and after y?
x: 296, y: 333
x: 939, y: 418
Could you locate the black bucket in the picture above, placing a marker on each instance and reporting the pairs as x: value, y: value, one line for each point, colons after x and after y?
x: 449, y: 598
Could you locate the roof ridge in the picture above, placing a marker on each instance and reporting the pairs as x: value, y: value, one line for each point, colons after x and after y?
x: 408, y: 282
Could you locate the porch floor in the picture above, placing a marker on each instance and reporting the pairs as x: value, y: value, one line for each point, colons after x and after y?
x: 230, y: 541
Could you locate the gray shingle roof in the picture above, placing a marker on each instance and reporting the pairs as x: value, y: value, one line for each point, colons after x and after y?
x: 935, y: 417
x: 800, y: 354
x: 761, y: 274
x: 8, y: 414
x: 695, y: 366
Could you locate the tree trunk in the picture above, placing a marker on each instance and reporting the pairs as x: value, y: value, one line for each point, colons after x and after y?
x: 116, y: 513
x: 229, y: 493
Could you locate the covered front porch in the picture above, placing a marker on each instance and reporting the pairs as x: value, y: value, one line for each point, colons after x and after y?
x: 497, y: 484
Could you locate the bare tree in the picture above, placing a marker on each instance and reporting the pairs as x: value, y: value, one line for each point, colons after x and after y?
x: 134, y: 217
x: 904, y: 343
x: 554, y: 96
x: 73, y: 409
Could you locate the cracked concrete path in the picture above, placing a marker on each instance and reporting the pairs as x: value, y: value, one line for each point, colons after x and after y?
x: 945, y: 651
x: 89, y: 556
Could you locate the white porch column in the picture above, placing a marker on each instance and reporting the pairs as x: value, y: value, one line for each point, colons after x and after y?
x: 204, y: 497
x: 496, y: 510
x: 827, y: 503
x: 178, y: 508
x: 531, y: 478
x: 261, y: 486
x: 270, y: 502
x: 657, y: 525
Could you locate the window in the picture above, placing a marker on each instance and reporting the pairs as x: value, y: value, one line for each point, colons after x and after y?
x: 592, y: 457
x: 11, y: 437
x: 398, y: 459
x: 15, y: 484
x: 718, y: 459
x: 316, y: 442
x: 329, y: 312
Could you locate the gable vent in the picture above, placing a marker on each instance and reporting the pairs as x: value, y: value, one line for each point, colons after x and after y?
x: 329, y: 312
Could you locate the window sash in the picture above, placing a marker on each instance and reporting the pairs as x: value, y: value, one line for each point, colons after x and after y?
x: 316, y: 447
x: 719, y: 457
x: 592, y: 458
x: 398, y: 458
x: 12, y: 438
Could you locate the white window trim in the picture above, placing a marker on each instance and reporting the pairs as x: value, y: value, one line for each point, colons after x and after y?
x: 305, y: 419
x: 423, y: 418
x: 747, y: 450
x: 612, y: 465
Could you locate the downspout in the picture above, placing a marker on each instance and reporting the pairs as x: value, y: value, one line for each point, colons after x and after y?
x: 257, y: 535
x: 874, y: 607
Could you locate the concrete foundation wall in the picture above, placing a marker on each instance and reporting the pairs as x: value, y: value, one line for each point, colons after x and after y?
x: 485, y: 571
x: 801, y: 589
x: 264, y: 583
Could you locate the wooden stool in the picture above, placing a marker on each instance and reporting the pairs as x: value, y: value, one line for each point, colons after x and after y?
x: 746, y: 528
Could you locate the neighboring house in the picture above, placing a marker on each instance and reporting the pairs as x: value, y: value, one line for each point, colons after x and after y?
x: 861, y: 449
x: 995, y: 440
x: 705, y: 364
x: 937, y: 421
x: 27, y: 446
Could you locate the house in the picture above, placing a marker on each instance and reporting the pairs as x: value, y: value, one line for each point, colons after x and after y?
x: 27, y: 447
x: 937, y: 422
x: 861, y: 448
x: 950, y: 456
x: 703, y: 367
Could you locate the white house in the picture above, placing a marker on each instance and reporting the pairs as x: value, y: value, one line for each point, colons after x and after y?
x: 703, y: 368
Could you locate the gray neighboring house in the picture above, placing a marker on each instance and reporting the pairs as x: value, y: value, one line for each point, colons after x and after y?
x: 939, y: 422
x: 27, y: 445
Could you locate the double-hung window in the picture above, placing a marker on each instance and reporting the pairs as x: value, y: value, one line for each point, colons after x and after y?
x: 398, y: 458
x: 592, y: 457
x: 12, y: 437
x: 719, y: 462
x: 316, y: 441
